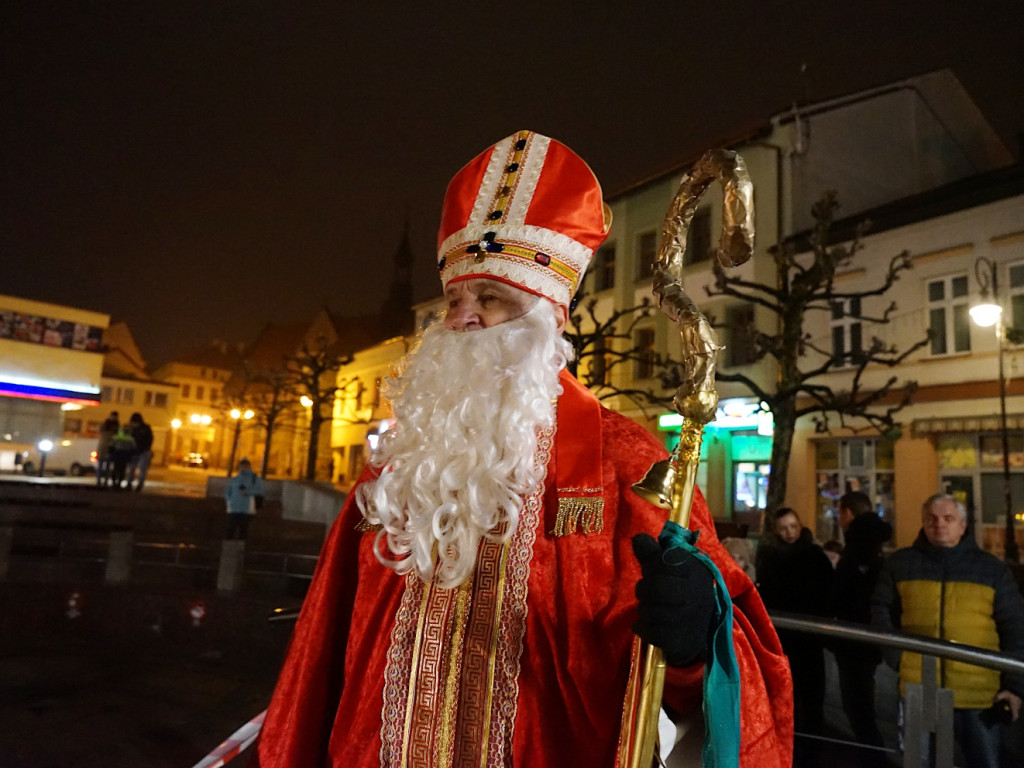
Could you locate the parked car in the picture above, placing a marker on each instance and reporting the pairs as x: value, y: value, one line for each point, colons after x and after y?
x: 193, y: 460
x: 70, y: 456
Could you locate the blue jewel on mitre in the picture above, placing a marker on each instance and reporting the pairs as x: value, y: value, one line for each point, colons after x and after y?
x: 440, y: 264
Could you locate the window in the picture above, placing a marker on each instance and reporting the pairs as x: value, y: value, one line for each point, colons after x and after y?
x: 106, y: 394
x: 72, y: 426
x: 971, y: 468
x: 186, y: 391
x: 846, y: 331
x: 156, y: 399
x: 377, y: 383
x: 356, y: 460
x: 643, y: 341
x: 1017, y: 297
x: 340, y: 454
x: 742, y: 346
x: 213, y: 394
x: 698, y: 237
x: 947, y: 315
x: 200, y: 392
x: 125, y: 395
x: 855, y: 464
x: 604, y: 268
x: 646, y: 254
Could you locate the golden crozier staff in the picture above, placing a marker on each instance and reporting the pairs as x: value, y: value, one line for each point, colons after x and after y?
x: 670, y: 484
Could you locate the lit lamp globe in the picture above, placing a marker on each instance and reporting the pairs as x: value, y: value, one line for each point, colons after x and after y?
x: 44, y: 446
x: 236, y: 414
x: 986, y: 315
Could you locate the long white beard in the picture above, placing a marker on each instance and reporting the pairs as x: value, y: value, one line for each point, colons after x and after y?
x: 456, y: 467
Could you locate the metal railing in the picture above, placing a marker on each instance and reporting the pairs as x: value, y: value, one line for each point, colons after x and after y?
x: 927, y: 708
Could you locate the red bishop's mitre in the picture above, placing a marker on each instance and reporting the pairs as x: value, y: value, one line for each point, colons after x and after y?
x: 528, y: 212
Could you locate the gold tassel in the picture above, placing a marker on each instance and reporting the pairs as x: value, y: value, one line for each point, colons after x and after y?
x: 585, y: 513
x: 365, y: 526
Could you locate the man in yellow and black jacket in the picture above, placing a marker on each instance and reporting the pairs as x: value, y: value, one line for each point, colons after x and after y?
x: 945, y: 586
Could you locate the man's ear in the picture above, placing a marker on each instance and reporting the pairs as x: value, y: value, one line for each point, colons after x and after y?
x: 562, y: 316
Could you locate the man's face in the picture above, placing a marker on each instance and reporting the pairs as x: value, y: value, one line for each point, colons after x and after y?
x: 788, y: 528
x: 845, y: 517
x: 483, y: 303
x: 943, y: 526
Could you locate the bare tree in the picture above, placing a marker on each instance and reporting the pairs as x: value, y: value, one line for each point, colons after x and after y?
x: 607, y: 353
x: 272, y: 397
x: 313, y: 370
x: 803, y: 287
x: 269, y: 392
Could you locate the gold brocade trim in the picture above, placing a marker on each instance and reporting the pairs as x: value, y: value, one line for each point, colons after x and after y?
x: 445, y: 744
x: 451, y: 682
x: 583, y: 513
x: 365, y: 526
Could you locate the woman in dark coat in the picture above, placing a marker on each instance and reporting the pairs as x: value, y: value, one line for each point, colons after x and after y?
x: 794, y: 575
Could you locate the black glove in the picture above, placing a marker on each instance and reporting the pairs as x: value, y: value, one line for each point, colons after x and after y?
x: 676, y: 595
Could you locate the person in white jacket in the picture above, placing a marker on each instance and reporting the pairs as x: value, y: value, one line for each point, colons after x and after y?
x: 244, y: 495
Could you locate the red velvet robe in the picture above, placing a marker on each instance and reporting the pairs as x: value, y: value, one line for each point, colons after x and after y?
x: 526, y: 664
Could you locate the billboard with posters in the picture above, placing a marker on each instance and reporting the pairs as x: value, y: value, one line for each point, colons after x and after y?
x: 50, y: 352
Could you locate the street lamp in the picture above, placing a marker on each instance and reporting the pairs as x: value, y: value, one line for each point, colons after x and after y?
x: 238, y: 416
x: 988, y: 314
x: 44, y: 446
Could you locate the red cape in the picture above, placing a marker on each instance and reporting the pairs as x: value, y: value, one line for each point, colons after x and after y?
x: 563, y: 697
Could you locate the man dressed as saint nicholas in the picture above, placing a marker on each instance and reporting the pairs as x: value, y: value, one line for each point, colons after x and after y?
x: 476, y: 599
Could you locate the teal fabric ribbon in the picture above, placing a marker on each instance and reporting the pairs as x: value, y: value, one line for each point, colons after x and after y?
x: 721, y: 676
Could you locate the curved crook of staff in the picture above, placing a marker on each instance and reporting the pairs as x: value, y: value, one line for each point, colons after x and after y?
x: 671, y: 483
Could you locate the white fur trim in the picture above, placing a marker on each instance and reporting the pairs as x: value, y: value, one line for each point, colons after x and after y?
x: 534, y: 277
x: 492, y: 176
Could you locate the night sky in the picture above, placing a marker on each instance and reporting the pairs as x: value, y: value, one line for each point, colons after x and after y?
x: 197, y: 168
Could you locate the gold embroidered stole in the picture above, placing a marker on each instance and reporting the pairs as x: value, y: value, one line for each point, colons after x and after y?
x: 452, y: 678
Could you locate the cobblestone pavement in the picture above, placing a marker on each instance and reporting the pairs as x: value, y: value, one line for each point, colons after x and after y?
x: 132, y: 680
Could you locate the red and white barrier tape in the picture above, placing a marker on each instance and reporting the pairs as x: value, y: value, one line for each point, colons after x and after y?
x: 234, y: 745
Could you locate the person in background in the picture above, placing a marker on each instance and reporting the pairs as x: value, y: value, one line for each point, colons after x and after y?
x: 104, y: 460
x: 945, y: 586
x: 833, y: 551
x: 742, y: 551
x: 244, y: 495
x: 857, y: 572
x: 143, y: 455
x: 122, y: 448
x: 795, y: 576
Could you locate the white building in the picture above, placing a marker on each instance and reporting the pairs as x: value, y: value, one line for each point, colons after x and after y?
x: 918, y: 159
x: 51, y: 360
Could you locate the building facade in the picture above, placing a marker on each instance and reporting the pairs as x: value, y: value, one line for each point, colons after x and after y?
x: 200, y: 421
x: 51, y: 364
x: 931, y: 182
